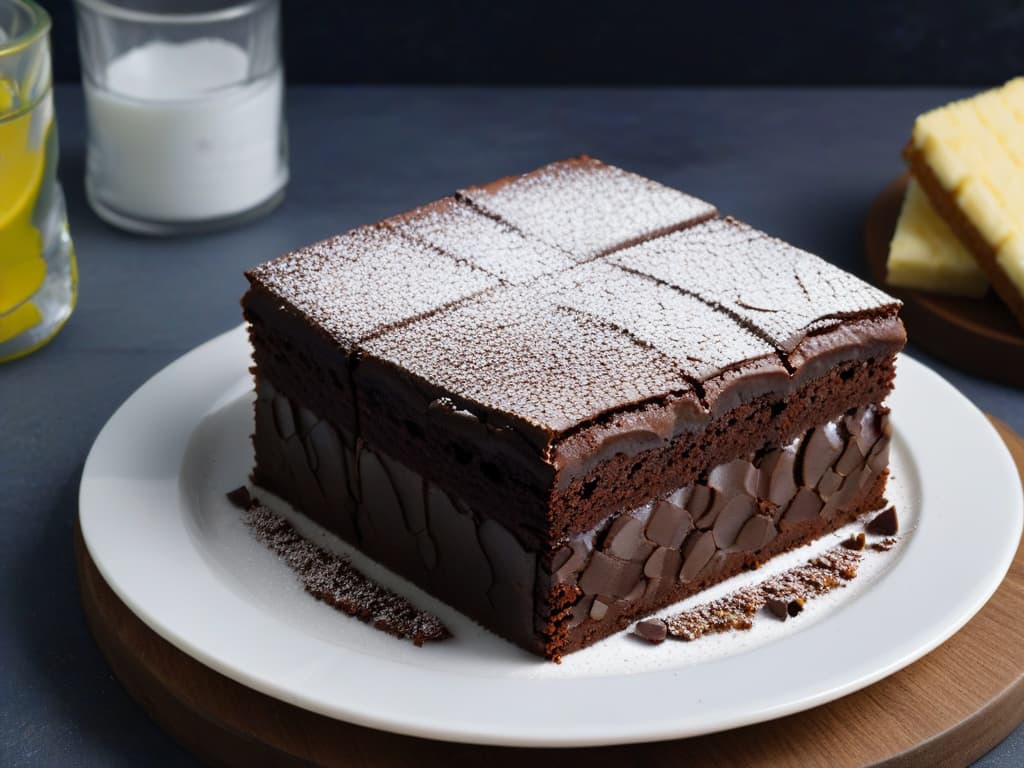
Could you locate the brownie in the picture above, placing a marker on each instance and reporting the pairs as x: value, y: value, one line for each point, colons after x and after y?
x: 563, y: 400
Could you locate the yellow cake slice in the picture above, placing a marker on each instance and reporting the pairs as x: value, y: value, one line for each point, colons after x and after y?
x: 968, y: 157
x: 925, y: 254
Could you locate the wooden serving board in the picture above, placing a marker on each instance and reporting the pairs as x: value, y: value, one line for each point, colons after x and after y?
x: 979, y: 336
x: 947, y: 709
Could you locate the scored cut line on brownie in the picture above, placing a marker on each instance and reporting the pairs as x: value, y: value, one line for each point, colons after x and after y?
x: 464, y: 233
x: 516, y: 352
x: 586, y: 207
x: 776, y: 290
x: 357, y: 284
x: 702, y: 339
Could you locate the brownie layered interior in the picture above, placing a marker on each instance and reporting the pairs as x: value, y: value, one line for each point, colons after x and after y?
x: 559, y: 422
x: 558, y: 598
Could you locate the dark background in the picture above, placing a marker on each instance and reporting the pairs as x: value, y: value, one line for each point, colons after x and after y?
x: 628, y: 41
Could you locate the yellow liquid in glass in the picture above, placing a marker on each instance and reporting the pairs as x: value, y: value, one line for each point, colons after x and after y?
x: 22, y: 266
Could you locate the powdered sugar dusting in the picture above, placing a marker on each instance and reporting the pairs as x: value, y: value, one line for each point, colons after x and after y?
x: 702, y: 340
x: 502, y: 300
x: 468, y: 235
x: 518, y: 353
x: 335, y: 581
x: 779, y: 290
x: 586, y: 207
x: 822, y: 574
x: 355, y: 284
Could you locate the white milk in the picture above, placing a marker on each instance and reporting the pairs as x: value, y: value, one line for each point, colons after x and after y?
x: 174, y: 137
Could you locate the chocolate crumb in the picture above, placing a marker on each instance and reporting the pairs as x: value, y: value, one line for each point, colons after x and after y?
x: 856, y: 542
x: 885, y: 544
x: 778, y: 608
x: 791, y: 588
x: 885, y: 523
x: 334, y: 580
x: 652, y: 630
x: 240, y: 497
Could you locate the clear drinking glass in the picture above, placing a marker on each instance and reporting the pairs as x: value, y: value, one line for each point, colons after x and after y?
x: 185, y: 109
x: 38, y: 278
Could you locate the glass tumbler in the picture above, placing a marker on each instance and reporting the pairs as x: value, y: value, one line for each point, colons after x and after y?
x: 185, y: 111
x: 38, y: 278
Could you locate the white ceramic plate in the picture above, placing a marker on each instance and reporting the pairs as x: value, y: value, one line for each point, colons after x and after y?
x: 156, y: 523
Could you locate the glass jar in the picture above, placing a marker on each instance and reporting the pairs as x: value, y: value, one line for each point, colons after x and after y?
x: 38, y: 277
x: 185, y: 110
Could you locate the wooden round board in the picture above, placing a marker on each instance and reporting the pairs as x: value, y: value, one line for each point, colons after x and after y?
x: 979, y: 336
x: 947, y: 709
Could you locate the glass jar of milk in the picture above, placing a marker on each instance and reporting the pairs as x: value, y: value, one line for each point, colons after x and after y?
x: 185, y: 111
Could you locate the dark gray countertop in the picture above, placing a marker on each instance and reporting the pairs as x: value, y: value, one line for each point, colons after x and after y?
x: 803, y: 164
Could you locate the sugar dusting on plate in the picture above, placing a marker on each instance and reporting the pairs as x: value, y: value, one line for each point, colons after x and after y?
x: 334, y: 580
x: 782, y: 595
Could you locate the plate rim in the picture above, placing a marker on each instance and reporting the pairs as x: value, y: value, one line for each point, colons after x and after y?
x: 654, y: 728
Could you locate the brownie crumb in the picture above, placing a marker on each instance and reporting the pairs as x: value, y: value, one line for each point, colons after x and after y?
x: 795, y: 606
x: 885, y: 544
x: 240, y: 497
x: 778, y: 608
x: 784, y: 609
x: 652, y: 630
x: 856, y: 542
x: 783, y: 595
x: 885, y: 523
x: 335, y: 581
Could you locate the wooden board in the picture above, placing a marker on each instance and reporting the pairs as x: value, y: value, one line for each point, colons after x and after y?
x: 979, y: 336
x: 947, y: 709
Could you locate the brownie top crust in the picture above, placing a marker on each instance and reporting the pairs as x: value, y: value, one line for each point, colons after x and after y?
x: 531, y: 359
x: 586, y: 207
x: 455, y: 228
x: 357, y: 284
x: 778, y: 291
x: 578, y: 297
x: 701, y: 340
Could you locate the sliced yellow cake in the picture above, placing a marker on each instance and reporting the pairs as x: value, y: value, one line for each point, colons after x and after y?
x: 968, y: 157
x: 925, y: 254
